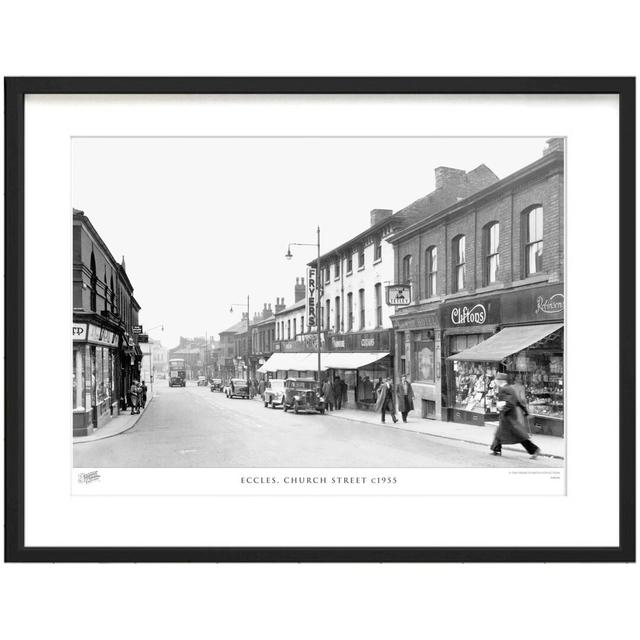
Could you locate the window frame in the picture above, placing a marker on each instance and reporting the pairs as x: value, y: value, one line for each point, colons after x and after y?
x: 431, y: 290
x: 529, y: 244
x: 457, y: 265
x: 489, y: 255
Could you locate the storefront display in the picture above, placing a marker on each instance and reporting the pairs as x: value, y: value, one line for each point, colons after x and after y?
x: 475, y: 388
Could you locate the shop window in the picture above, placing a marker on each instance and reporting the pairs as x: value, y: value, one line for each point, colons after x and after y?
x: 360, y: 258
x: 349, y: 311
x: 378, y: 292
x: 533, y: 232
x: 377, y: 250
x: 423, y: 357
x: 79, y: 358
x: 337, y: 313
x: 94, y: 284
x: 431, y: 271
x: 362, y: 315
x: 407, y: 262
x: 491, y: 252
x: 350, y: 263
x: 459, y: 263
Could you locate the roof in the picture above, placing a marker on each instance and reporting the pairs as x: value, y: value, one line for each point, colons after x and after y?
x: 293, y: 307
x: 543, y: 163
x: 238, y: 327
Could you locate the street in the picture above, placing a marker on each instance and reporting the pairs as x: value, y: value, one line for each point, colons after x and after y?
x: 194, y: 427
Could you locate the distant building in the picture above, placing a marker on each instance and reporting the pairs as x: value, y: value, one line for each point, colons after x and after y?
x: 194, y: 352
x: 105, y: 357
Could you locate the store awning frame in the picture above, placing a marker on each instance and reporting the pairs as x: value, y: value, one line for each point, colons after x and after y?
x: 330, y: 360
x: 506, y: 342
x: 352, y: 359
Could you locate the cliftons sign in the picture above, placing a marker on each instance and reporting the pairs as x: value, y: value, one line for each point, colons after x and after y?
x: 469, y: 315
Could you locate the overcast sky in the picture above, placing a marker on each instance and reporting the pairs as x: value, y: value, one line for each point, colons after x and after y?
x: 204, y: 222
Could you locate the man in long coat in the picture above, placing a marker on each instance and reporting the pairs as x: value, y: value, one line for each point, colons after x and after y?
x: 511, y: 427
x: 404, y: 394
x: 328, y: 393
x: 386, y: 402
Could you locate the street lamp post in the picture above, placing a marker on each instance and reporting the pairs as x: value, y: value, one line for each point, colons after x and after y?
x: 318, y: 285
x: 248, y: 341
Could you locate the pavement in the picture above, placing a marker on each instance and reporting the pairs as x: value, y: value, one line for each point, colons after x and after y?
x: 551, y: 446
x: 115, y: 426
x: 193, y: 427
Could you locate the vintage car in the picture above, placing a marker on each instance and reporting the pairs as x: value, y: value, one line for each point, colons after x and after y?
x: 215, y: 384
x: 237, y: 388
x: 301, y: 394
x: 274, y: 393
x: 202, y: 381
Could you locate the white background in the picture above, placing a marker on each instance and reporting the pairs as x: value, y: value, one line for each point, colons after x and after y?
x: 370, y: 38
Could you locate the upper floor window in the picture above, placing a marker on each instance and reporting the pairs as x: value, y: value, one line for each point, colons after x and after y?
x: 294, y: 329
x: 533, y: 241
x: 378, y: 291
x: 361, y: 257
x: 350, y: 263
x: 337, y: 314
x: 113, y: 295
x: 459, y: 263
x: 327, y: 274
x: 328, y: 310
x: 94, y: 284
x: 288, y: 329
x: 431, y: 271
x: 491, y: 252
x: 350, y: 311
x: 377, y: 250
x: 362, y: 316
x: 337, y: 268
x: 407, y: 262
x: 301, y: 324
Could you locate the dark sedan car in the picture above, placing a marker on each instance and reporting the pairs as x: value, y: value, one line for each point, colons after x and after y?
x: 237, y: 388
x: 301, y: 394
x: 215, y: 384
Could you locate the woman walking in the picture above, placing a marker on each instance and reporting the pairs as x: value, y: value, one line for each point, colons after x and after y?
x: 511, y: 427
x: 329, y: 395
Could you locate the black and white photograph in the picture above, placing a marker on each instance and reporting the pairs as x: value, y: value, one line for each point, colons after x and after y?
x: 314, y: 303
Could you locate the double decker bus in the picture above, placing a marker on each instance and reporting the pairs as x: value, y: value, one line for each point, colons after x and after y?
x: 177, y: 372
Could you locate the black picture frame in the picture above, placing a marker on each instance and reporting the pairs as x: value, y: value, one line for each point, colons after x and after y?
x: 15, y: 91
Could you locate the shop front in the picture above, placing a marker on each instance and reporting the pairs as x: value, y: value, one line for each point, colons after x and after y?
x: 95, y: 364
x: 521, y: 334
x: 417, y: 347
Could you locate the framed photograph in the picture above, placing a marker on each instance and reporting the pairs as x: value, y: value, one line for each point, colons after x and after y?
x: 320, y: 319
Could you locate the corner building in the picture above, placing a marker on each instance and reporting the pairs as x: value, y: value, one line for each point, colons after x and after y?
x: 487, y: 282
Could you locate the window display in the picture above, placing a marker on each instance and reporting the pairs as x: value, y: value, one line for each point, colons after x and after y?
x: 423, y: 357
x: 475, y: 387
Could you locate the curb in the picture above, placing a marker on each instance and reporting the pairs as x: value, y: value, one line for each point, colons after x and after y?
x: 438, y: 435
x: 94, y: 437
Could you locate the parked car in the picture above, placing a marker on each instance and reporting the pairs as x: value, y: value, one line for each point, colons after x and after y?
x: 301, y: 394
x: 274, y: 393
x: 215, y: 384
x: 237, y: 388
x: 202, y: 381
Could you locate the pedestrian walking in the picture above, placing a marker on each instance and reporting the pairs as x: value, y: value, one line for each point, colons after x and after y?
x: 386, y: 402
x: 404, y: 395
x: 511, y: 428
x: 261, y: 389
x: 338, y: 392
x: 143, y: 394
x: 329, y: 394
x: 135, y: 398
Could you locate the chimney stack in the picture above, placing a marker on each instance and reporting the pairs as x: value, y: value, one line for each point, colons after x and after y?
x: 280, y: 305
x: 447, y: 177
x: 553, y: 144
x: 377, y: 215
x: 298, y: 292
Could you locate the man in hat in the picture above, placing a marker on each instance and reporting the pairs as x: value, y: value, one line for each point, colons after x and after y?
x: 511, y: 427
x: 386, y: 402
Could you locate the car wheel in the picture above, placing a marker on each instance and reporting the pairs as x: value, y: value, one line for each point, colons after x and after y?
x: 266, y: 404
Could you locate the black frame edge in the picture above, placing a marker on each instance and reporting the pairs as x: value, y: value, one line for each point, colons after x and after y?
x: 15, y: 90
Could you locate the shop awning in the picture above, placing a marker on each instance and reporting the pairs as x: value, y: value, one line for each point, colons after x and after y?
x: 351, y: 360
x: 292, y: 362
x: 506, y: 342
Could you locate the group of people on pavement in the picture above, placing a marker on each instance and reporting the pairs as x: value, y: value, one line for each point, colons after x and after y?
x: 333, y: 393
x: 512, y: 427
x: 138, y: 395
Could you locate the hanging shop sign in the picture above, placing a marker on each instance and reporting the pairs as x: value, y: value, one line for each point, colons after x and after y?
x: 136, y: 329
x: 311, y: 298
x: 475, y: 313
x: 143, y: 337
x: 540, y: 304
x: 398, y: 294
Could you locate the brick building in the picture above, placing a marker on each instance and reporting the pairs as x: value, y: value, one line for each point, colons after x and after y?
x: 106, y: 358
x: 486, y: 275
